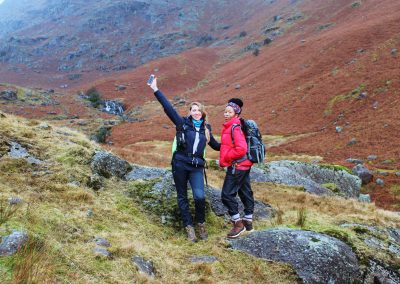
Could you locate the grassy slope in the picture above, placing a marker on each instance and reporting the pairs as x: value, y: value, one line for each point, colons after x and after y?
x: 61, y: 235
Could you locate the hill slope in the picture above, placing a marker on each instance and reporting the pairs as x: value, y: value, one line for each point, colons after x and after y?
x: 70, y: 225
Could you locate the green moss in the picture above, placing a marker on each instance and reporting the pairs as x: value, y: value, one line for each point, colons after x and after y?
x: 338, y: 234
x: 336, y: 168
x: 325, y: 26
x: 75, y: 155
x: 360, y: 230
x: 332, y: 186
x: 342, y: 97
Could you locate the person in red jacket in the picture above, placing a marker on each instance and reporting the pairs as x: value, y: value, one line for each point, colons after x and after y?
x: 237, y: 180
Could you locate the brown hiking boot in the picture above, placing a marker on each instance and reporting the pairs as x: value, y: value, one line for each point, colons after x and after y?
x: 191, y: 235
x: 203, y: 231
x: 237, y: 229
x: 248, y: 225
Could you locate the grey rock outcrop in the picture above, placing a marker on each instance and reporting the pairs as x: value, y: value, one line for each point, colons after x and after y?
x: 363, y: 173
x: 386, y: 240
x: 312, y: 177
x: 107, y: 165
x: 102, y: 252
x: 145, y: 173
x: 10, y: 244
x: 113, y: 107
x: 144, y: 266
x: 354, y: 161
x: 17, y: 151
x: 317, y: 258
x: 378, y: 272
x: 203, y: 259
x: 8, y: 95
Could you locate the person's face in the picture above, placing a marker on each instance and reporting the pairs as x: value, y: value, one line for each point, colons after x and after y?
x: 229, y: 113
x: 195, y: 112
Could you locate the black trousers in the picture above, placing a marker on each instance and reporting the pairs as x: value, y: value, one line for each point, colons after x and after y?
x: 182, y: 173
x: 237, y: 183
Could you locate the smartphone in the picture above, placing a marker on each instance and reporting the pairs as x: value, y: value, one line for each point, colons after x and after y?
x: 150, y: 79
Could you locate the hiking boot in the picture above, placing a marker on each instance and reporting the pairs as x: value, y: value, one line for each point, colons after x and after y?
x: 237, y: 229
x: 203, y: 232
x: 191, y: 235
x: 248, y: 225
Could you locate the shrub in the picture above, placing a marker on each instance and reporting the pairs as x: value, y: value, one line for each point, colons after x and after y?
x: 32, y: 263
x: 256, y: 52
x: 101, y: 134
x: 94, y: 97
x: 243, y: 34
x: 301, y: 217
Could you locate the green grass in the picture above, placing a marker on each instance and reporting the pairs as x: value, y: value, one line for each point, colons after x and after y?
x: 343, y: 97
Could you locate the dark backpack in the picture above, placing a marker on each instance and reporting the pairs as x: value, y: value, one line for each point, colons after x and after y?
x: 255, y: 145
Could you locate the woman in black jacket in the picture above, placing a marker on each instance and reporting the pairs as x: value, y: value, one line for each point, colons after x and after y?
x: 193, y: 133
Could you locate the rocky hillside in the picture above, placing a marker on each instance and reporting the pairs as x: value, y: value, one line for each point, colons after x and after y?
x: 69, y: 39
x: 71, y: 212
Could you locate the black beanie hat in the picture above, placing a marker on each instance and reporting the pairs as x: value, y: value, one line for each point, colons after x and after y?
x: 237, y: 101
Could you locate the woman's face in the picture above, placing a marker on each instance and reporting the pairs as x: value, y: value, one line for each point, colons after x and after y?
x: 195, y: 112
x: 229, y: 113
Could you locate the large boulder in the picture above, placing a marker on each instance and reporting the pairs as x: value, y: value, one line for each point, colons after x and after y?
x: 384, y: 240
x: 313, y: 177
x: 155, y: 190
x: 158, y: 196
x: 317, y: 258
x: 107, y: 165
x: 363, y: 173
x: 379, y: 272
x: 11, y: 244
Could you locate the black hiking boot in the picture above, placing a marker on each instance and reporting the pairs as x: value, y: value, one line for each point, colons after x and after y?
x: 248, y: 225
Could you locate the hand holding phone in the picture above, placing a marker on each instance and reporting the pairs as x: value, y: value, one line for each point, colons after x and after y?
x: 151, y: 79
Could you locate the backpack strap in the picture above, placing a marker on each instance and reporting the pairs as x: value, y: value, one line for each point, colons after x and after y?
x: 232, y: 129
x: 233, y: 142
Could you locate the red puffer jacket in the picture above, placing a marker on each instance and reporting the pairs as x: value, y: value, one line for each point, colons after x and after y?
x: 229, y: 152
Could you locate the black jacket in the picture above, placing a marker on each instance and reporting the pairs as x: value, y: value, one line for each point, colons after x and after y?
x: 190, y: 134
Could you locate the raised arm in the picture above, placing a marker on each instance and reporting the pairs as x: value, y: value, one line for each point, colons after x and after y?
x: 168, y: 108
